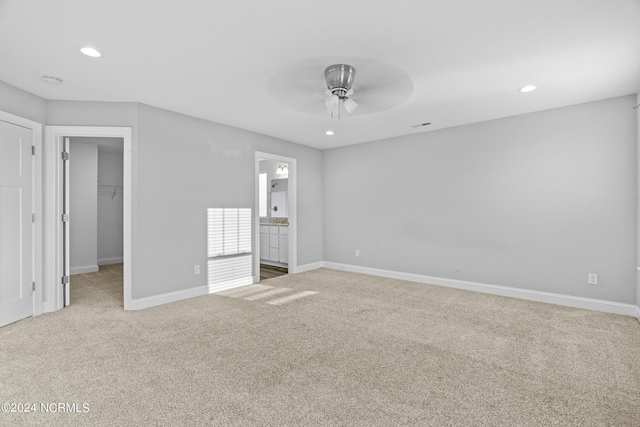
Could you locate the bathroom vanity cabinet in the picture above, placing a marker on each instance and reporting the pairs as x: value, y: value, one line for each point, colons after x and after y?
x: 274, y: 243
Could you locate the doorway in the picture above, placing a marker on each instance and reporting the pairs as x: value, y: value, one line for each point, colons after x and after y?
x: 58, y: 247
x: 273, y: 195
x: 96, y: 190
x: 95, y: 212
x: 275, y: 221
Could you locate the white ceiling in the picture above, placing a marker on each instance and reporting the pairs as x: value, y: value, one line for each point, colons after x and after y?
x: 214, y: 59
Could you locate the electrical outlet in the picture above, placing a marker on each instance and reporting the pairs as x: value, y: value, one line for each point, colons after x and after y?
x: 593, y: 279
x: 196, y: 269
x: 357, y: 252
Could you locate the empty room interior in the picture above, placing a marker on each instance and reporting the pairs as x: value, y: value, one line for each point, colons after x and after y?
x: 330, y: 213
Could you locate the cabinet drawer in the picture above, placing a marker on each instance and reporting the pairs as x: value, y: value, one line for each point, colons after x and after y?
x: 264, y: 229
x: 273, y: 229
x: 284, y: 230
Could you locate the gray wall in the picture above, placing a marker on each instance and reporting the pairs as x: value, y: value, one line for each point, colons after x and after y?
x: 21, y: 103
x: 83, y: 207
x: 90, y: 113
x: 181, y: 166
x: 110, y: 209
x: 185, y: 166
x: 536, y: 201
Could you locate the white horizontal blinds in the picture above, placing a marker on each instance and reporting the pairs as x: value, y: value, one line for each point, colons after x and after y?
x: 244, y: 231
x: 215, y: 232
x: 231, y: 229
x: 228, y: 231
x: 229, y: 247
x: 229, y: 271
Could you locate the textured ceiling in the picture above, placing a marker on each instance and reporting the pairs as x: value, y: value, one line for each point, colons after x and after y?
x: 215, y: 60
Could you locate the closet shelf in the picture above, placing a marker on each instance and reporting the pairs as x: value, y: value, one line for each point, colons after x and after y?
x: 110, y: 190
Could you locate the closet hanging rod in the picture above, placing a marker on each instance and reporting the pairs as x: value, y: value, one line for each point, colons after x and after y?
x: 110, y: 190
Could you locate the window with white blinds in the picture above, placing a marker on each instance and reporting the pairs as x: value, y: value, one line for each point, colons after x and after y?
x: 229, y: 247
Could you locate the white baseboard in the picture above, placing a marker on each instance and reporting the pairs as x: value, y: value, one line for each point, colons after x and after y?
x: 148, y: 302
x: 308, y: 267
x: 109, y: 261
x: 548, y: 297
x: 83, y: 269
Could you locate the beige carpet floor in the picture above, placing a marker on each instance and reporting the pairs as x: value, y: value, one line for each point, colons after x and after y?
x: 356, y: 351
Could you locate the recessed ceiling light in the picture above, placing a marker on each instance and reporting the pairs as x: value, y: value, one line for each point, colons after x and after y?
x: 55, y: 81
x: 92, y: 52
x: 329, y: 132
x: 528, y: 88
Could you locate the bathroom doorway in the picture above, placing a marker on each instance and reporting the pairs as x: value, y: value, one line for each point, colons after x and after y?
x: 275, y: 225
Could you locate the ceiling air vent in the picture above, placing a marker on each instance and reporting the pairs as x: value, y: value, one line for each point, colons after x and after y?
x: 55, y: 81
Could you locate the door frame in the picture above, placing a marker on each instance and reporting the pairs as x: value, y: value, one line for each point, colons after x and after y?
x: 36, y: 136
x: 293, y: 214
x: 53, y: 201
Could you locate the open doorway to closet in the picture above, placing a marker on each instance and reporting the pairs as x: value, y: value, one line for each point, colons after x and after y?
x: 95, y: 182
x: 62, y: 161
x: 95, y: 203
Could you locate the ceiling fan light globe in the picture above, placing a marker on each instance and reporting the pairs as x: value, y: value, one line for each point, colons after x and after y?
x: 350, y: 105
x: 332, y: 102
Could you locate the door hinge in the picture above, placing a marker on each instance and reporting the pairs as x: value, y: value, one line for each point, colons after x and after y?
x: 64, y: 218
x: 33, y: 286
x: 65, y: 155
x: 65, y: 280
x: 33, y: 217
x: 33, y: 150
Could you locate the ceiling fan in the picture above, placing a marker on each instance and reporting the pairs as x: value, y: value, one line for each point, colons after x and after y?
x: 339, y: 78
x: 300, y: 86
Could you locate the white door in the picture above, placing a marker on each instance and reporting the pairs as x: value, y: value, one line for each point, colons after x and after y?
x: 16, y: 228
